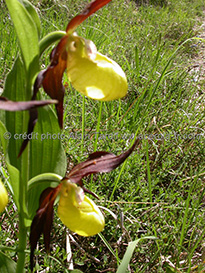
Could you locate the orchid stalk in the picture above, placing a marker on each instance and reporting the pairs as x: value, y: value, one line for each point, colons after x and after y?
x: 75, y: 209
x: 90, y: 72
x: 93, y: 75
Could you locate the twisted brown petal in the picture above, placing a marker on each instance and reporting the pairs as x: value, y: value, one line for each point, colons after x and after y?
x: 10, y: 105
x: 52, y: 77
x: 90, y: 9
x: 99, y: 162
x: 42, y: 221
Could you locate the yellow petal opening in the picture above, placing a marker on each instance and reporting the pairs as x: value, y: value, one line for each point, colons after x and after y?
x: 78, y: 212
x: 3, y: 196
x: 92, y: 73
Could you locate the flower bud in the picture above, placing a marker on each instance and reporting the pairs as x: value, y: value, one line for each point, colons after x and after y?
x: 3, y: 196
x: 92, y: 73
x: 78, y: 212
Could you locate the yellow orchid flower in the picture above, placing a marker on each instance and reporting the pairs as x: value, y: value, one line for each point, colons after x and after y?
x: 92, y: 73
x: 78, y: 212
x: 3, y: 196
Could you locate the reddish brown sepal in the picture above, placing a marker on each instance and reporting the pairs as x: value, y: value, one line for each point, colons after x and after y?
x: 31, y: 124
x: 42, y: 221
x: 9, y: 105
x: 52, y: 77
x: 99, y: 162
x: 90, y: 9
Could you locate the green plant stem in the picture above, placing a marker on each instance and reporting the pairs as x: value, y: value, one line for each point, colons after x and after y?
x: 23, y: 213
x: 22, y: 246
x: 96, y: 136
x: 148, y: 174
x: 49, y: 39
x: 83, y: 125
x: 98, y: 127
x: 22, y: 237
x: 119, y: 110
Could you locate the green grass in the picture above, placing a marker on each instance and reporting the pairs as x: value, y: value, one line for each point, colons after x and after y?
x: 159, y: 191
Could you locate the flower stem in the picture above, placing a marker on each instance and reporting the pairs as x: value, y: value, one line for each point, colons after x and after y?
x: 49, y: 39
x: 96, y: 137
x: 98, y: 127
x: 23, y: 212
x: 22, y: 246
x: 83, y: 125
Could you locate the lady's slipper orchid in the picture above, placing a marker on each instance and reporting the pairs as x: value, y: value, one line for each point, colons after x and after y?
x: 90, y: 72
x: 3, y: 196
x: 77, y: 211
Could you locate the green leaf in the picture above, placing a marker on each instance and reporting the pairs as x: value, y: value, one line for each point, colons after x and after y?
x: 46, y: 154
x: 13, y: 172
x: 128, y: 254
x: 27, y: 33
x: 6, y: 264
x: 16, y: 122
x: 33, y: 13
x: 3, y: 137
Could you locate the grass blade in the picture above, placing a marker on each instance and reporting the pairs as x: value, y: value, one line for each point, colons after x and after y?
x: 128, y: 254
x: 107, y: 245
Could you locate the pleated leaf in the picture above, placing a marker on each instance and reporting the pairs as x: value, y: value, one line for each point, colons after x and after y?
x: 46, y: 154
x: 27, y: 32
x: 6, y: 264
